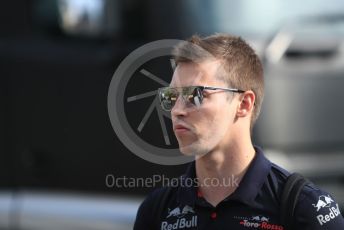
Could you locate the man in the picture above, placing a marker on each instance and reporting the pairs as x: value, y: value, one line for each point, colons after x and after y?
x: 215, y: 97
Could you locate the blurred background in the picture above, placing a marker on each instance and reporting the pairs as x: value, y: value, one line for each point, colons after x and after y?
x: 57, y: 58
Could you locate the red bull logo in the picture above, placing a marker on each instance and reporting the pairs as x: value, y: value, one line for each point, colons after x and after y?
x: 179, y: 213
x: 174, y: 212
x: 181, y: 222
x: 333, y: 213
x: 323, y: 202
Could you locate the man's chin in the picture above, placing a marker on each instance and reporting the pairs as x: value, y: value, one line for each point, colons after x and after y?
x: 193, y: 149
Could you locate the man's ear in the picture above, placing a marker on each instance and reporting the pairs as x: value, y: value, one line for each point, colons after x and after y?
x: 246, y: 104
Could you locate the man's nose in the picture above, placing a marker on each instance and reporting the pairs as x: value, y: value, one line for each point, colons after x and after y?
x: 179, y: 108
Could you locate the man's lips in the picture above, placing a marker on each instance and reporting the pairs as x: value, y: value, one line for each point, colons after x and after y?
x: 180, y: 128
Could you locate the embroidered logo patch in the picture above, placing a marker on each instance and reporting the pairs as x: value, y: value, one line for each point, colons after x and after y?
x: 180, y: 218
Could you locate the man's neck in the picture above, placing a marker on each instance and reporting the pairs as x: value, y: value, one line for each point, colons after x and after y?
x: 225, y: 167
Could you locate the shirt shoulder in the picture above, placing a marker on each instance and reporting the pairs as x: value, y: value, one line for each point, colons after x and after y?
x: 275, y: 181
x: 146, y: 214
x: 317, y: 209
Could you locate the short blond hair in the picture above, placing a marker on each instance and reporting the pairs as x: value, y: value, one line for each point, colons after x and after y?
x: 242, y: 65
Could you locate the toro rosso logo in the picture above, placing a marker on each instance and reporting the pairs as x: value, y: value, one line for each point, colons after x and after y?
x: 260, y: 218
x: 259, y: 222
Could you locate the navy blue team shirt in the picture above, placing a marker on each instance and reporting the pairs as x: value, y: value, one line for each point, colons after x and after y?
x: 255, y: 204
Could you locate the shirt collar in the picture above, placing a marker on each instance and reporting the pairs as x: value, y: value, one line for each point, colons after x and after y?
x: 247, y: 191
x: 187, y: 190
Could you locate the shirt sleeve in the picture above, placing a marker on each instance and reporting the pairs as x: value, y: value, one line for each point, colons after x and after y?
x: 317, y: 209
x: 145, y: 214
x: 142, y: 221
x: 143, y: 218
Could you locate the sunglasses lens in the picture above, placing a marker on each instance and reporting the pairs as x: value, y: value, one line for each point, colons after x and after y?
x: 191, y: 95
x: 188, y: 94
x: 168, y: 97
x: 197, y: 97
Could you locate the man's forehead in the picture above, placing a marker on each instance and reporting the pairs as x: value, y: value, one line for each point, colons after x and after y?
x: 190, y: 73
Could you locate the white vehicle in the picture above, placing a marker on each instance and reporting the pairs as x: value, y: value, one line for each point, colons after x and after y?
x: 69, y: 211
